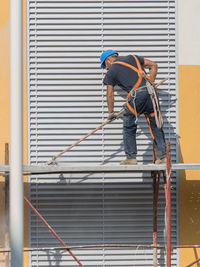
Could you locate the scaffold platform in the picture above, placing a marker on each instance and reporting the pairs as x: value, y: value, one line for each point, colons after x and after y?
x: 85, y: 168
x: 156, y: 171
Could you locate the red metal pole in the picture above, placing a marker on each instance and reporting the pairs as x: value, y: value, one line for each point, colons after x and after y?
x: 156, y: 181
x: 154, y: 222
x: 168, y: 203
x: 51, y: 230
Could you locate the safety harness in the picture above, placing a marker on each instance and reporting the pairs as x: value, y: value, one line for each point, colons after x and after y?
x: 150, y: 88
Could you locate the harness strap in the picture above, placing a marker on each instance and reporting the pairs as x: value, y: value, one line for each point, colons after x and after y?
x: 141, y: 74
x: 141, y: 71
x: 152, y: 114
x: 148, y: 121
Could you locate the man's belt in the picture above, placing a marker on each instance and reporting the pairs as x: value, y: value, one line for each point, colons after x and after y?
x: 139, y: 89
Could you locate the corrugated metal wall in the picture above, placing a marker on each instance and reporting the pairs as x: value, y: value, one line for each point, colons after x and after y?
x: 67, y: 100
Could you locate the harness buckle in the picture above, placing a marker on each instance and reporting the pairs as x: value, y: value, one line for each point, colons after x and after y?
x: 133, y: 93
x: 141, y: 74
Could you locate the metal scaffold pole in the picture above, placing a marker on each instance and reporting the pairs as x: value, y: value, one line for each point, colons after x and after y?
x: 168, y: 204
x: 16, y: 181
x: 52, y: 231
x: 156, y: 183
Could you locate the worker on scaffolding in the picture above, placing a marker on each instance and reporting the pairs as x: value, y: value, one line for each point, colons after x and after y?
x: 128, y: 73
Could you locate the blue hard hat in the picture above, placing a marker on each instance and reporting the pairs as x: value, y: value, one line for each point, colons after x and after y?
x: 106, y: 54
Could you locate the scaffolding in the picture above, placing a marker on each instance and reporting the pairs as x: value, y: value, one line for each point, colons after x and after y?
x: 156, y: 171
x: 16, y: 155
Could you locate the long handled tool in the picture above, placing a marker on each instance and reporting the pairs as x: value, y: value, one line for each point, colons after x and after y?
x: 92, y: 132
x: 83, y: 138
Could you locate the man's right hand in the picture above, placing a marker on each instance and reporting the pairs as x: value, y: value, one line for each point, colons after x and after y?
x: 112, y: 116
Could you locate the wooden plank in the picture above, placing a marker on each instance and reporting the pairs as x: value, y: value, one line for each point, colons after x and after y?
x: 85, y: 168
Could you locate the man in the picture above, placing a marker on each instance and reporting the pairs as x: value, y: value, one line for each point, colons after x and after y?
x: 128, y: 73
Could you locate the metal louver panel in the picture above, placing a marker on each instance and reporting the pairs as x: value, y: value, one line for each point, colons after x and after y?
x: 67, y: 100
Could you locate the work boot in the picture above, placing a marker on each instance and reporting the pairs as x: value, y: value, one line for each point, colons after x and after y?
x: 129, y: 162
x: 161, y: 161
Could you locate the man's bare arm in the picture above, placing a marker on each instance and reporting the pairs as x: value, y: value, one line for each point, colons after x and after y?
x: 110, y: 98
x: 153, y: 68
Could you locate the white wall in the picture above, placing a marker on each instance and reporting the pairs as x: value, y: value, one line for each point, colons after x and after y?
x: 189, y: 32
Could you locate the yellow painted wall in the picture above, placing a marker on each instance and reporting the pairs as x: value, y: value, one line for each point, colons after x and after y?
x: 4, y: 114
x: 4, y: 76
x: 4, y: 110
x: 189, y: 132
x: 189, y: 126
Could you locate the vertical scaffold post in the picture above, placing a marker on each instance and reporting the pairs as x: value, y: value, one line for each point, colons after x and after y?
x: 16, y: 187
x: 156, y: 182
x: 168, y: 204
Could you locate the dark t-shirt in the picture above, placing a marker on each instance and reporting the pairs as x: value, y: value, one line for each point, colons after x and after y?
x: 123, y: 76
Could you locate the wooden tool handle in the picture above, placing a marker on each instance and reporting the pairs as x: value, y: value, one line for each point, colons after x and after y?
x: 92, y: 132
